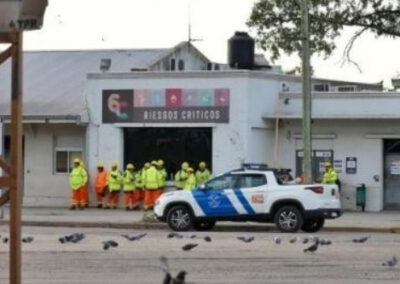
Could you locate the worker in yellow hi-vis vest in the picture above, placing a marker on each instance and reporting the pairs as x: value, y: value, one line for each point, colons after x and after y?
x: 114, y: 181
x: 77, y: 180
x: 151, y: 184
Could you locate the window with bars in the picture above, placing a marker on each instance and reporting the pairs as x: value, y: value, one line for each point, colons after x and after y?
x: 67, y: 148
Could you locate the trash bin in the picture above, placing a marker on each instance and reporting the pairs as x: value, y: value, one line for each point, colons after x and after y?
x: 361, y: 196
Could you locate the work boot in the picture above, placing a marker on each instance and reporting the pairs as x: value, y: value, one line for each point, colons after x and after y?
x: 73, y: 207
x: 86, y: 205
x: 127, y: 208
x: 81, y: 207
x: 107, y: 207
x: 99, y: 206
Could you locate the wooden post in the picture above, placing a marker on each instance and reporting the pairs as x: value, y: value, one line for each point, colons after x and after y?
x: 16, y: 130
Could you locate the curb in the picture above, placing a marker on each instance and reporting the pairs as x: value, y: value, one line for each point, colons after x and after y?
x: 221, y: 228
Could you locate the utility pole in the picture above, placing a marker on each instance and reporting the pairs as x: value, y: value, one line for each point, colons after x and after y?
x: 306, y: 84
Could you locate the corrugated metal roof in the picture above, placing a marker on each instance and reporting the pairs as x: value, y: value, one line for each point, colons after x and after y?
x: 54, y: 81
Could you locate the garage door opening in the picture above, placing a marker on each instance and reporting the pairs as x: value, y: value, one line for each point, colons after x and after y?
x: 173, y: 145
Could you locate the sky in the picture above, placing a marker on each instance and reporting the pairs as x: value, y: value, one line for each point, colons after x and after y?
x: 98, y: 24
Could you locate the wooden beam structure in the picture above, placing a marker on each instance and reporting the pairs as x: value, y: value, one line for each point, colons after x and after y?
x: 14, y: 170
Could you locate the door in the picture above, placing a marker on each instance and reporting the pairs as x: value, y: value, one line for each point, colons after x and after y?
x: 214, y: 200
x: 251, y: 194
x: 319, y: 158
x: 392, y: 181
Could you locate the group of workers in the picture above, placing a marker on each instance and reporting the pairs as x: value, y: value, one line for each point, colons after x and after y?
x: 144, y: 185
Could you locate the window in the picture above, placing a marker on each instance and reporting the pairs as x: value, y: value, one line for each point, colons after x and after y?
x: 222, y: 182
x: 181, y: 65
x: 67, y: 148
x: 252, y: 180
x: 172, y: 67
x: 321, y: 88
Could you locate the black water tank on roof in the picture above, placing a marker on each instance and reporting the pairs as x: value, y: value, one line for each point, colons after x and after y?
x: 241, y: 51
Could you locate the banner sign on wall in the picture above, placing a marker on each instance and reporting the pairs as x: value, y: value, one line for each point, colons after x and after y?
x: 166, y: 106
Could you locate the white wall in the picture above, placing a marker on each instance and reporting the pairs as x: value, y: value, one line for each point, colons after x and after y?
x: 350, y: 140
x: 42, y: 187
x: 105, y: 141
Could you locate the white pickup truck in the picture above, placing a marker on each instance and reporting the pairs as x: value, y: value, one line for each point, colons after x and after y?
x: 252, y: 193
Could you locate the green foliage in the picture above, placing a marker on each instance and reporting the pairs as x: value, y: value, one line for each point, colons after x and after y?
x: 278, y: 22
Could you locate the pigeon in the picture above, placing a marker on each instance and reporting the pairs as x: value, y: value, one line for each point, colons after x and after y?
x: 207, y: 239
x: 192, y: 236
x: 361, y: 240
x: 5, y: 240
x: 27, y: 240
x: 167, y: 279
x: 134, y: 237
x: 294, y: 240
x: 164, y: 264
x: 76, y: 238
x: 174, y: 235
x: 312, y: 248
x: 112, y: 243
x: 188, y: 247
x: 305, y: 241
x: 246, y: 240
x: 390, y: 263
x: 106, y: 245
x: 180, y: 278
x: 328, y: 243
x: 277, y: 240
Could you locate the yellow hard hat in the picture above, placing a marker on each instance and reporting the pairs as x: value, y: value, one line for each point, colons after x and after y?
x: 147, y: 165
x: 130, y: 166
x: 154, y: 163
x: 185, y: 165
x: 190, y: 170
x: 160, y: 163
x: 328, y: 164
x: 114, y: 164
x: 77, y: 161
x: 202, y: 165
x: 100, y: 164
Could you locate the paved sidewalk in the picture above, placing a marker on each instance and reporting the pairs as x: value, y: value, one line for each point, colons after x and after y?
x: 388, y: 221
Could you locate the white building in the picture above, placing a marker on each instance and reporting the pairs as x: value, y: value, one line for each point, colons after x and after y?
x: 140, y: 105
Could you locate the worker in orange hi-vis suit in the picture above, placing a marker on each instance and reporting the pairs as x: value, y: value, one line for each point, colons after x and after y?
x: 101, y: 184
x: 142, y: 192
x: 85, y: 189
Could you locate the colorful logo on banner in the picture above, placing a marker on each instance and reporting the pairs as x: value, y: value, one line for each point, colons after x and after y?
x: 117, y: 105
x: 169, y: 105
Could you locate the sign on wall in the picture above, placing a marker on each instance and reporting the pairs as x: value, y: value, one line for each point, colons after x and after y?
x: 351, y: 165
x: 166, y: 106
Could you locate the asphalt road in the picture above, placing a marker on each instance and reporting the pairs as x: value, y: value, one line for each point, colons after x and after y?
x: 224, y: 260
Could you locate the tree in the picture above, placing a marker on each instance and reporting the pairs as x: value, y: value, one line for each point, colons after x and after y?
x: 277, y: 23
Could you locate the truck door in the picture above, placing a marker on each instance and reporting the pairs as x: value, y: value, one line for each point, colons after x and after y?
x: 214, y: 198
x: 251, y: 193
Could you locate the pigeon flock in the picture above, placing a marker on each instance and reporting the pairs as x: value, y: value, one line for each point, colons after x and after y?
x: 314, y: 243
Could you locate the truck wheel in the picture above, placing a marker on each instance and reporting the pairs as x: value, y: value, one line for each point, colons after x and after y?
x: 179, y: 218
x: 204, y: 225
x: 288, y: 219
x: 313, y: 225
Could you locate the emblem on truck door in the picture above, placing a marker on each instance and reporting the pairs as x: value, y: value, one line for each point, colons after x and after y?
x: 257, y: 199
x: 214, y: 201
